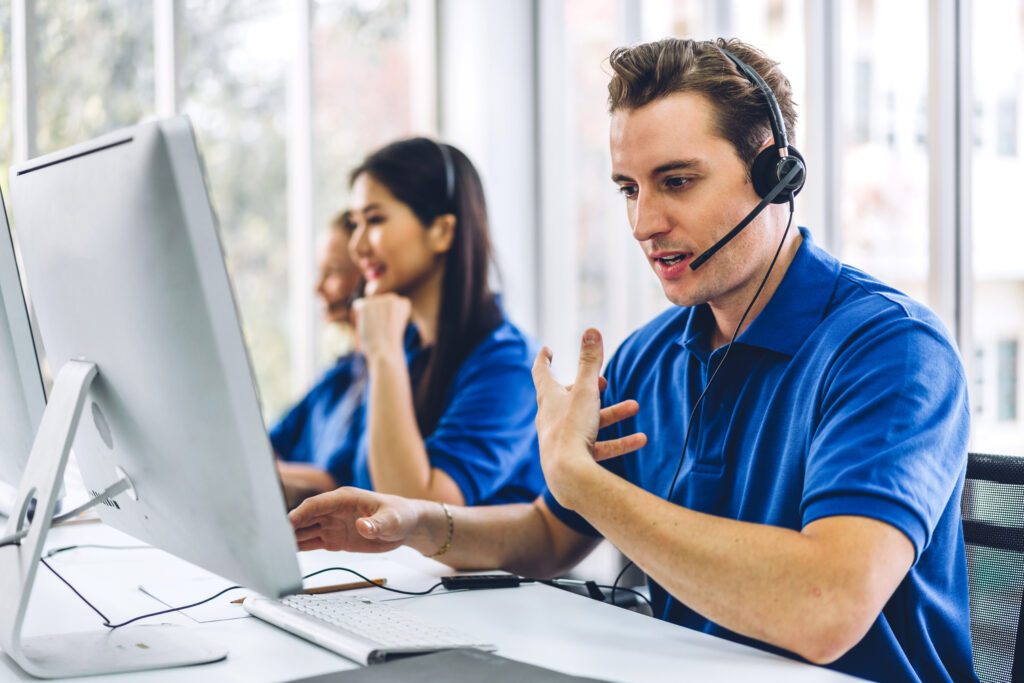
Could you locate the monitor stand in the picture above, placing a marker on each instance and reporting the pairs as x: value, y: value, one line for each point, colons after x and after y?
x: 89, y: 652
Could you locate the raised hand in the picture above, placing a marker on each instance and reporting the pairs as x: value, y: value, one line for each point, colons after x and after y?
x: 569, y: 417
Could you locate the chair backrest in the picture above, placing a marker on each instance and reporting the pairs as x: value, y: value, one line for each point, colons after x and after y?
x: 993, y: 517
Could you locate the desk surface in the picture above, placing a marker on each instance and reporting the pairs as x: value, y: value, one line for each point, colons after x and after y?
x: 533, y: 623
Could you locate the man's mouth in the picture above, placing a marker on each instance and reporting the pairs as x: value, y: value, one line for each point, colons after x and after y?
x: 671, y: 260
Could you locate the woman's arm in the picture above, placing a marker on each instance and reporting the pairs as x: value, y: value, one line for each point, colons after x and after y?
x: 399, y: 463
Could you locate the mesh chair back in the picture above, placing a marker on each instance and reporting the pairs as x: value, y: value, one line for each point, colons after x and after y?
x: 993, y: 516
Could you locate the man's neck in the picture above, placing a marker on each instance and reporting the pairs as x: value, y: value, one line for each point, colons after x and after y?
x: 728, y: 311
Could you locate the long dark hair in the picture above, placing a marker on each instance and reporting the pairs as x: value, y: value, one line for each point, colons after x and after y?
x: 415, y: 172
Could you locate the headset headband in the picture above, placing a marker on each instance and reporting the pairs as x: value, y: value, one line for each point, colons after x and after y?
x: 774, y: 112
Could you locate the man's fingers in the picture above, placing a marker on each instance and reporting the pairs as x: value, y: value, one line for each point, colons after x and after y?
x: 605, y: 450
x: 308, y: 532
x: 304, y: 514
x: 312, y: 544
x: 618, y: 412
x: 542, y: 377
x: 591, y: 357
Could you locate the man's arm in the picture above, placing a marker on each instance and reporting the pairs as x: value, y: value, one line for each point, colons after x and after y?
x: 526, y: 539
x: 815, y: 592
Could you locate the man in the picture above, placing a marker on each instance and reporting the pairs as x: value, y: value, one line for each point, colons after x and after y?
x: 817, y: 503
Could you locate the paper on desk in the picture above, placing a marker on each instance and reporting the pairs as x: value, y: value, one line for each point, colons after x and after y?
x: 180, y: 592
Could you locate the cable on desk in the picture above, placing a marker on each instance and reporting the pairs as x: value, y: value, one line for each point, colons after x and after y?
x: 56, y: 551
x: 106, y: 621
x: 387, y: 588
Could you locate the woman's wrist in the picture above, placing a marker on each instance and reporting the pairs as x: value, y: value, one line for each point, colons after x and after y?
x: 385, y: 353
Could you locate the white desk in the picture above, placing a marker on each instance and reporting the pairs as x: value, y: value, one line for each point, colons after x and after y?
x: 534, y: 623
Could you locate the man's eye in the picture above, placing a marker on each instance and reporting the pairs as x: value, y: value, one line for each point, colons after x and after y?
x: 627, y: 191
x: 676, y: 183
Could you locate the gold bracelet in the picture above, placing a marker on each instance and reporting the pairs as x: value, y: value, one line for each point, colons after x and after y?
x: 451, y: 531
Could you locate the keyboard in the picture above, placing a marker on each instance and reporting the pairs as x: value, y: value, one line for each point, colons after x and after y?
x: 365, y: 631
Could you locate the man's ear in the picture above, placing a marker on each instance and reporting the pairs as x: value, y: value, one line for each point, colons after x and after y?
x: 441, y: 233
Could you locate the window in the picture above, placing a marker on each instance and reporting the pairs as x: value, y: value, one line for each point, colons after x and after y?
x: 361, y: 90
x: 233, y: 76
x: 1006, y: 122
x: 363, y: 74
x: 997, y: 300
x: 978, y: 386
x: 1007, y: 380
x: 94, y: 68
x: 884, y: 201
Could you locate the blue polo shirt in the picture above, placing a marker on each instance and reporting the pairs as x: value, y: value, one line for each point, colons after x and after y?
x: 323, y: 428
x: 486, y: 438
x: 843, y: 397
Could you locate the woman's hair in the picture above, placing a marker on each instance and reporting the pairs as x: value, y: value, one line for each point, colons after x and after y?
x: 415, y: 172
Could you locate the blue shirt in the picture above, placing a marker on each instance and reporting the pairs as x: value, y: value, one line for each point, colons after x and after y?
x: 843, y: 397
x: 323, y: 428
x: 486, y: 437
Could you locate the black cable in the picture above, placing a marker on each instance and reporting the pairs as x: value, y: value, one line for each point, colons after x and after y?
x: 106, y: 621
x: 615, y: 586
x: 56, y: 551
x: 629, y: 590
x: 700, y: 399
x: 387, y: 588
x: 75, y: 591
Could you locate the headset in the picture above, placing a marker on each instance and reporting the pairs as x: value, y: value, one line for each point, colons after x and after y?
x: 778, y: 172
x: 449, y: 175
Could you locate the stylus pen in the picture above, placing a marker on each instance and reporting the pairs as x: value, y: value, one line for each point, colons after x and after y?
x: 334, y: 588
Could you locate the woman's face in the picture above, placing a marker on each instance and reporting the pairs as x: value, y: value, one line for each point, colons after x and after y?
x: 338, y: 276
x: 394, y: 251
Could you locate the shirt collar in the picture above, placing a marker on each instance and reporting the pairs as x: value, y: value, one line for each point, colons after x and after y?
x: 798, y: 305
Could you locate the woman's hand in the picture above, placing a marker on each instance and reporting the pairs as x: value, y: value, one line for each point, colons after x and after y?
x: 381, y: 322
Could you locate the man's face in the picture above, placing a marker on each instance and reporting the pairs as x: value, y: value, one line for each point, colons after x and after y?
x: 685, y: 188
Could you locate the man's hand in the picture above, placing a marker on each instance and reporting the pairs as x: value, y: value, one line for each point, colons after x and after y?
x: 356, y: 520
x: 380, y: 323
x: 569, y: 417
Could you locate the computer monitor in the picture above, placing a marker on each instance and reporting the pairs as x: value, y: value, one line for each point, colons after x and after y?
x: 22, y: 397
x: 122, y: 257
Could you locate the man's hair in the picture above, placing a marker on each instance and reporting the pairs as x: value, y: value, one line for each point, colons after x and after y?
x: 647, y: 72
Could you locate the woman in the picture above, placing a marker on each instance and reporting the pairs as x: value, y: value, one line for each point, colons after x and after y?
x: 451, y: 405
x: 316, y: 440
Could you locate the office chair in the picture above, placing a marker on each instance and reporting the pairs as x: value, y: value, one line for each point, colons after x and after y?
x: 993, y: 517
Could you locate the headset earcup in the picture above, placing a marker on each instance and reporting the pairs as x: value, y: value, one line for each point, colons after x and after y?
x: 764, y: 172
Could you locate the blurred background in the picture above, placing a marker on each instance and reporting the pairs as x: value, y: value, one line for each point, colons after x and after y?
x: 910, y: 118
